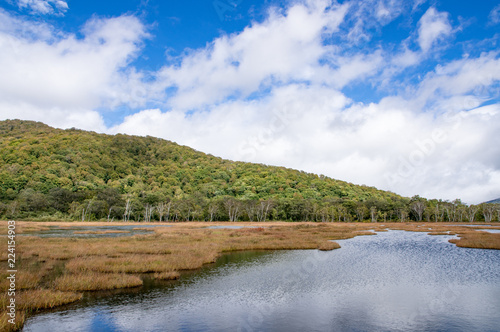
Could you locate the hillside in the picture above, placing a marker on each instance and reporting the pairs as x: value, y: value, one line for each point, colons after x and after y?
x: 73, y: 174
x: 494, y: 201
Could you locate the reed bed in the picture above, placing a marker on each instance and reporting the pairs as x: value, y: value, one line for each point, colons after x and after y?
x: 36, y: 299
x: 96, y: 281
x: 327, y: 246
x: 478, y: 239
x: 5, y: 326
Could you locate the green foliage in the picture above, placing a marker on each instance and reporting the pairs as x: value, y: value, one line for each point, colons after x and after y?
x: 90, y: 176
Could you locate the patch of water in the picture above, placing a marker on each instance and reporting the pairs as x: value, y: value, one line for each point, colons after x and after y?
x: 90, y: 231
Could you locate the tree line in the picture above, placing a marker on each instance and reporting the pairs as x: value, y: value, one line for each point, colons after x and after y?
x: 110, y: 205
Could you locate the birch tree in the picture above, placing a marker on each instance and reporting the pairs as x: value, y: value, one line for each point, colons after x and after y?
x: 373, y: 213
x: 488, y: 212
x: 418, y: 206
x: 263, y: 209
x: 471, y: 212
x: 128, y: 210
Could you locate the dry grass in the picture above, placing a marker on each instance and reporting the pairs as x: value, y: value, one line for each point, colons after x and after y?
x: 330, y: 245
x: 95, y: 281
x: 478, y: 239
x: 33, y: 300
x: 6, y: 326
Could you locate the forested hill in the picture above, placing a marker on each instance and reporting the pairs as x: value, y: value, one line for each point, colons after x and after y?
x: 73, y: 174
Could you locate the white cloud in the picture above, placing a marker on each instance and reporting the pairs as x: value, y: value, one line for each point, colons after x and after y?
x: 433, y: 26
x: 472, y: 78
x: 57, y: 7
x: 494, y: 17
x: 43, y: 70
x: 283, y: 48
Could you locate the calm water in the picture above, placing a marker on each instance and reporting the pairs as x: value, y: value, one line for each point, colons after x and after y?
x: 73, y: 231
x: 393, y: 281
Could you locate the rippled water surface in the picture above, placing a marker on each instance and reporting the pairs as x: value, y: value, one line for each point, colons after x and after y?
x: 393, y: 281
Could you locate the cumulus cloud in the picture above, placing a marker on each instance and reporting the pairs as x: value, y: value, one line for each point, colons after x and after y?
x: 43, y: 7
x: 50, y: 76
x: 433, y: 26
x: 281, y: 49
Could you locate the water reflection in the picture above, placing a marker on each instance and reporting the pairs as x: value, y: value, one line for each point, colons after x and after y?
x: 394, y: 281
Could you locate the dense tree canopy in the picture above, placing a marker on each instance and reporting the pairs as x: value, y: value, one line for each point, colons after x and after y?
x: 48, y: 173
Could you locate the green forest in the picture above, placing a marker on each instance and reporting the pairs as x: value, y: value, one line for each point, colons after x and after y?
x: 54, y: 174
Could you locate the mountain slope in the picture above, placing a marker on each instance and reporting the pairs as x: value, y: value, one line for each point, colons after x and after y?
x: 37, y: 161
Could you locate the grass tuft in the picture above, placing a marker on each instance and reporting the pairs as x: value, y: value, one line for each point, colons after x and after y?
x: 327, y: 246
x: 6, y: 326
x: 95, y: 281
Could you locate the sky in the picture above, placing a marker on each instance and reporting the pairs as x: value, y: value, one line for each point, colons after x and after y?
x: 400, y: 95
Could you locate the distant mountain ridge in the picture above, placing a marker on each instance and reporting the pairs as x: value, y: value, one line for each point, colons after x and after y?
x: 494, y: 201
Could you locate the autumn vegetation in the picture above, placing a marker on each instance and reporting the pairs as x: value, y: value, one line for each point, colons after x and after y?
x: 71, y: 175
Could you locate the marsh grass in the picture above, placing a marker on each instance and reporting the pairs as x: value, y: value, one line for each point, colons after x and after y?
x: 478, y: 239
x: 6, y: 326
x: 96, y: 281
x: 327, y: 246
x: 36, y: 299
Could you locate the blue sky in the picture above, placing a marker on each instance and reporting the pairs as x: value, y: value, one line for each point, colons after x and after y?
x: 401, y: 95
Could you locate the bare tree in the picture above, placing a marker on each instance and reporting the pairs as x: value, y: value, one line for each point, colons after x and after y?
x: 488, y: 211
x: 418, y: 207
x: 436, y: 212
x: 342, y: 213
x: 160, y: 207
x: 471, y: 212
x: 263, y: 209
x: 85, y: 211
x: 168, y: 208
x: 373, y: 213
x: 109, y: 213
x: 233, y: 208
x: 402, y: 213
x: 251, y: 209
x: 128, y: 210
x: 213, y: 207
x: 148, y: 212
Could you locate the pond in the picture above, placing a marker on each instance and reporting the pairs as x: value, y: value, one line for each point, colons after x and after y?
x: 93, y: 231
x: 393, y: 281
